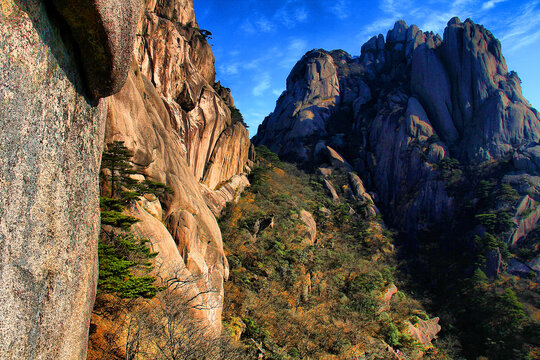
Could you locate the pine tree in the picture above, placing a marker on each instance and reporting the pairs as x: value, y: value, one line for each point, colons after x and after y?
x: 121, y: 254
x: 117, y: 160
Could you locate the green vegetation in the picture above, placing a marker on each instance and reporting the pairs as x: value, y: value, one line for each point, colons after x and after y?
x: 236, y: 116
x: 119, y: 259
x: 297, y: 299
x: 490, y: 312
x: 124, y: 260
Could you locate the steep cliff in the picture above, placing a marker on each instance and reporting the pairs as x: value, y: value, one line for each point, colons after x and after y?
x: 51, y: 131
x: 180, y: 130
x: 447, y: 146
x: 401, y: 111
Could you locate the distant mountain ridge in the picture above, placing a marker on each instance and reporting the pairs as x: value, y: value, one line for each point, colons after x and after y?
x: 401, y: 108
x: 438, y: 131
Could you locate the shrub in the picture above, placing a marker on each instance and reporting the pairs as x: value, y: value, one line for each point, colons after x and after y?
x: 119, y: 256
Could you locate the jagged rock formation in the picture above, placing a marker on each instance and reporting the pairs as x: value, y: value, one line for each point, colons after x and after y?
x: 177, y: 122
x: 401, y: 111
x: 51, y: 134
x: 104, y: 32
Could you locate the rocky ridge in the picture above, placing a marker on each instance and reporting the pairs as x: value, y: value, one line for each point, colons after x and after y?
x: 177, y: 122
x: 404, y: 110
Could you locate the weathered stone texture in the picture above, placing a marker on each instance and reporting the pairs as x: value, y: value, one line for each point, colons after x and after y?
x: 50, y: 146
x: 137, y: 115
x: 403, y: 106
x: 104, y: 31
x: 171, y: 116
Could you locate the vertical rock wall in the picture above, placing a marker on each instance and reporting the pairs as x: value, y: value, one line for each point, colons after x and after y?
x: 406, y: 104
x: 51, y: 137
x: 181, y: 133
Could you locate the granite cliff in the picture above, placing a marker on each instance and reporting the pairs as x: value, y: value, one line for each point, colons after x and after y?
x: 176, y: 120
x: 52, y: 125
x: 404, y: 111
x: 61, y: 62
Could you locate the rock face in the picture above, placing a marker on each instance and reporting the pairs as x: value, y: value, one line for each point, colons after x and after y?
x: 51, y: 135
x: 178, y: 124
x: 425, y: 331
x: 403, y: 110
x: 104, y: 31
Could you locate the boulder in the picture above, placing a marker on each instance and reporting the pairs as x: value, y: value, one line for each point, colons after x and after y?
x: 387, y: 297
x: 325, y: 172
x: 516, y: 267
x: 337, y: 160
x: 425, y: 331
x: 310, y: 224
x: 526, y: 217
x: 105, y: 32
x: 331, y: 190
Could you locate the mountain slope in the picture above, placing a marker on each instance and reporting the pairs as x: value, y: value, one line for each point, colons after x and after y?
x: 439, y: 132
x: 312, y: 278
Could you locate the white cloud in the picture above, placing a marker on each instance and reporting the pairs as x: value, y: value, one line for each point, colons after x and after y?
x: 434, y: 19
x: 229, y: 69
x: 253, y: 64
x: 261, y: 24
x: 301, y: 14
x: 277, y: 92
x: 523, y: 28
x: 262, y: 85
x: 265, y: 25
x: 491, y: 4
x: 248, y: 27
x: 379, y: 26
x: 291, y: 13
x: 391, y: 7
x: 297, y: 45
x: 340, y: 9
x: 295, y: 49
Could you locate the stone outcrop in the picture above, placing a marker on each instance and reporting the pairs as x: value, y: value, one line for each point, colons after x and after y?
x: 311, y: 226
x: 411, y: 104
x: 51, y: 133
x: 425, y: 331
x: 229, y: 191
x: 104, y: 32
x: 526, y: 218
x: 178, y: 124
x: 331, y: 190
x: 312, y: 91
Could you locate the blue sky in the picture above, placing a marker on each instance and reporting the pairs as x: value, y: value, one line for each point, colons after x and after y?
x: 256, y: 42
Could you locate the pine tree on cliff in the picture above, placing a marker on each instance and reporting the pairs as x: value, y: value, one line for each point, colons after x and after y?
x: 120, y: 170
x: 117, y: 160
x: 123, y: 256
